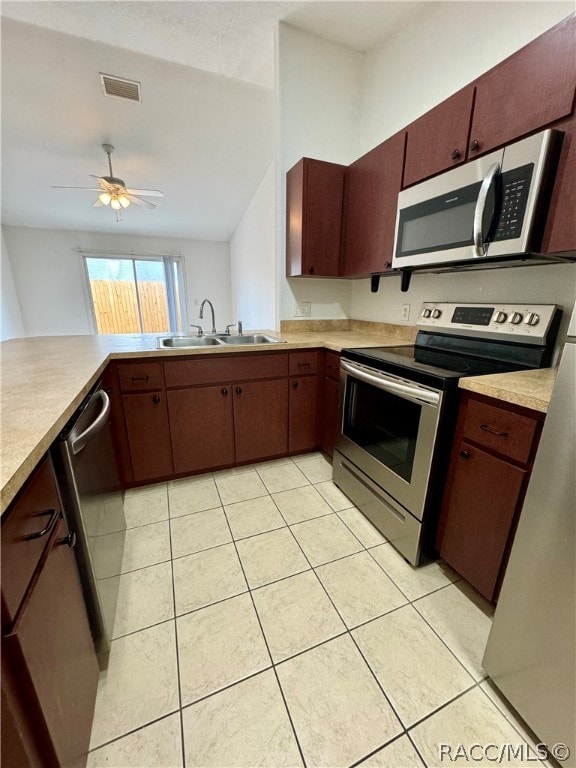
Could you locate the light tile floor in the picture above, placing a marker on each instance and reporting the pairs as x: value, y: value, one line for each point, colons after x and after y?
x: 262, y: 621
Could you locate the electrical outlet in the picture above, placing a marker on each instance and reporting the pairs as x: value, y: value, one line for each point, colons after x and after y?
x: 302, y: 309
x: 405, y: 311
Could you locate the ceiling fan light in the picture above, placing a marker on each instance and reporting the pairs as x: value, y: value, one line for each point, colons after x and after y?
x: 105, y: 198
x: 115, y: 203
x: 124, y: 201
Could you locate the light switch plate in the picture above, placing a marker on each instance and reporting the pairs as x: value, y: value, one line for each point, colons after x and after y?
x: 302, y: 309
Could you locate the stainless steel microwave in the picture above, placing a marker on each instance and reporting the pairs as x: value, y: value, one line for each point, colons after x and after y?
x: 487, y: 209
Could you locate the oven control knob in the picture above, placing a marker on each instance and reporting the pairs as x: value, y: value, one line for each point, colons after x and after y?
x: 501, y: 317
x: 532, y: 318
x: 436, y: 313
x: 427, y: 313
x: 516, y: 318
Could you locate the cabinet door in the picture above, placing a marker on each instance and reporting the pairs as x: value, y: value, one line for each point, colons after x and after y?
x: 560, y: 232
x: 52, y: 644
x: 261, y: 419
x: 372, y: 186
x: 531, y: 89
x: 146, y: 417
x: 481, y: 499
x: 201, y: 428
x: 329, y: 415
x: 438, y: 140
x: 314, y: 194
x: 303, y: 425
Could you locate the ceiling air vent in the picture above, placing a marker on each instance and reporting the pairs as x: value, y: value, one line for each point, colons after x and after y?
x: 120, y: 88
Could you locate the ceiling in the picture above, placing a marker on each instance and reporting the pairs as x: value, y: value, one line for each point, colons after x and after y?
x: 204, y: 132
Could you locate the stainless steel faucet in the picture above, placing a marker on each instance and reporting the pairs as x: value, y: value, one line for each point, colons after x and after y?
x: 201, y: 314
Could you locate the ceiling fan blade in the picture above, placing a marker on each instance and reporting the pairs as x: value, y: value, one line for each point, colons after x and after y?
x: 97, y: 203
x: 90, y: 189
x: 139, y: 200
x: 103, y: 183
x: 146, y: 192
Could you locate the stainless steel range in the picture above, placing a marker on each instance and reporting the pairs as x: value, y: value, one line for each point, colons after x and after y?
x: 398, y: 408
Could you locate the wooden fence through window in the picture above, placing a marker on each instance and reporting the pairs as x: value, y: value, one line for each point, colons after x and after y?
x: 116, y: 306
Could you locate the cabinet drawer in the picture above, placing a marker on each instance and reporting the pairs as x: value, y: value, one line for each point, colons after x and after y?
x: 137, y: 376
x: 225, y: 369
x: 34, y: 511
x: 332, y: 368
x: 506, y: 432
x: 303, y: 362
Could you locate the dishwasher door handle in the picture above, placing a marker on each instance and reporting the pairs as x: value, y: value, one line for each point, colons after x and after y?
x: 97, y: 425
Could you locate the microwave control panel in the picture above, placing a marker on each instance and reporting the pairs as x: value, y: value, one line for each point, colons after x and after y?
x: 514, y: 201
x: 521, y: 322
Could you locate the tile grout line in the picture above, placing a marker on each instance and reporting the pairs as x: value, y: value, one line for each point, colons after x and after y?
x: 266, y: 641
x: 182, y: 746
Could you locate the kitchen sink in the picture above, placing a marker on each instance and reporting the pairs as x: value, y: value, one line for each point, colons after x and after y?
x: 166, y: 342
x: 251, y: 338
x: 171, y: 342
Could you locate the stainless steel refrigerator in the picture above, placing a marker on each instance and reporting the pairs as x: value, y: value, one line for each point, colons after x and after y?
x: 531, y: 650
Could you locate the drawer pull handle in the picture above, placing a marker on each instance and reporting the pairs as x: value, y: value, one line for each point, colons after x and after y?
x: 486, y: 428
x: 303, y: 365
x: 53, y: 513
x: 141, y: 378
x: 464, y: 455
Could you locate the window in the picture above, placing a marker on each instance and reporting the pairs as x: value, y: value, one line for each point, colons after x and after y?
x: 136, y: 295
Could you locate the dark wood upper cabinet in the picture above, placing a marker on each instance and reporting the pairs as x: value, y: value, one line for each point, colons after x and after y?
x: 370, y: 203
x: 314, y: 193
x: 439, y: 139
x: 527, y: 91
x: 560, y: 231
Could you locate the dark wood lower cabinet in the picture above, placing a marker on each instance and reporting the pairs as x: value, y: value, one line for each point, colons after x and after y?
x: 489, y: 471
x: 49, y: 666
x: 202, y: 427
x: 261, y: 419
x: 330, y: 427
x: 303, y: 431
x: 148, y: 432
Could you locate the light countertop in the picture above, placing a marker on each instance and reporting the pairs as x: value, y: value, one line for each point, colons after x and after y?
x: 44, y: 379
x: 531, y: 389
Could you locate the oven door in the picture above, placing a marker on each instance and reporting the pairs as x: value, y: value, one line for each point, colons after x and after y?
x: 388, y: 430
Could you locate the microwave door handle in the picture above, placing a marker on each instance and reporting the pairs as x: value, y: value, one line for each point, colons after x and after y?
x: 479, y: 210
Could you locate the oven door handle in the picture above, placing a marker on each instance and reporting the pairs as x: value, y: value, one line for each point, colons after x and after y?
x: 404, y: 390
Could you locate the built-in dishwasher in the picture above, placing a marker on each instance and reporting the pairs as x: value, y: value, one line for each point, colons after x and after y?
x: 93, y: 504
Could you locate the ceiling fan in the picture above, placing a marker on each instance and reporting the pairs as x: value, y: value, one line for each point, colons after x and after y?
x: 114, y: 192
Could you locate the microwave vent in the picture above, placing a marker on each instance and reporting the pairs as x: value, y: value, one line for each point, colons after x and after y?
x: 120, y: 88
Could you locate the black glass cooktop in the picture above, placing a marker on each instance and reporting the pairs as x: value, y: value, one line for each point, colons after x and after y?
x: 432, y: 367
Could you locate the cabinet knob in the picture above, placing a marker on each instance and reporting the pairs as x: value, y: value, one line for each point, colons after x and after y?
x: 474, y: 145
x: 464, y: 455
x: 70, y: 540
x: 156, y: 399
x: 387, y: 264
x: 238, y: 390
x: 224, y: 391
x: 311, y: 270
x: 294, y: 384
x: 455, y: 154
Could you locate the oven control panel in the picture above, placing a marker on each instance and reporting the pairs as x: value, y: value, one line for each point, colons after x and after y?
x: 526, y: 323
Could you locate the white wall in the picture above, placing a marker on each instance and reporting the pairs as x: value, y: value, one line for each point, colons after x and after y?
x: 11, y: 325
x: 253, y: 258
x: 48, y: 275
x: 319, y: 90
x: 439, y: 51
x: 447, y: 46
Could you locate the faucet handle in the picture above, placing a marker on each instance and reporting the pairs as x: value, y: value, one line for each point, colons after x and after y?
x: 230, y: 325
x: 239, y: 327
x: 200, y: 331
